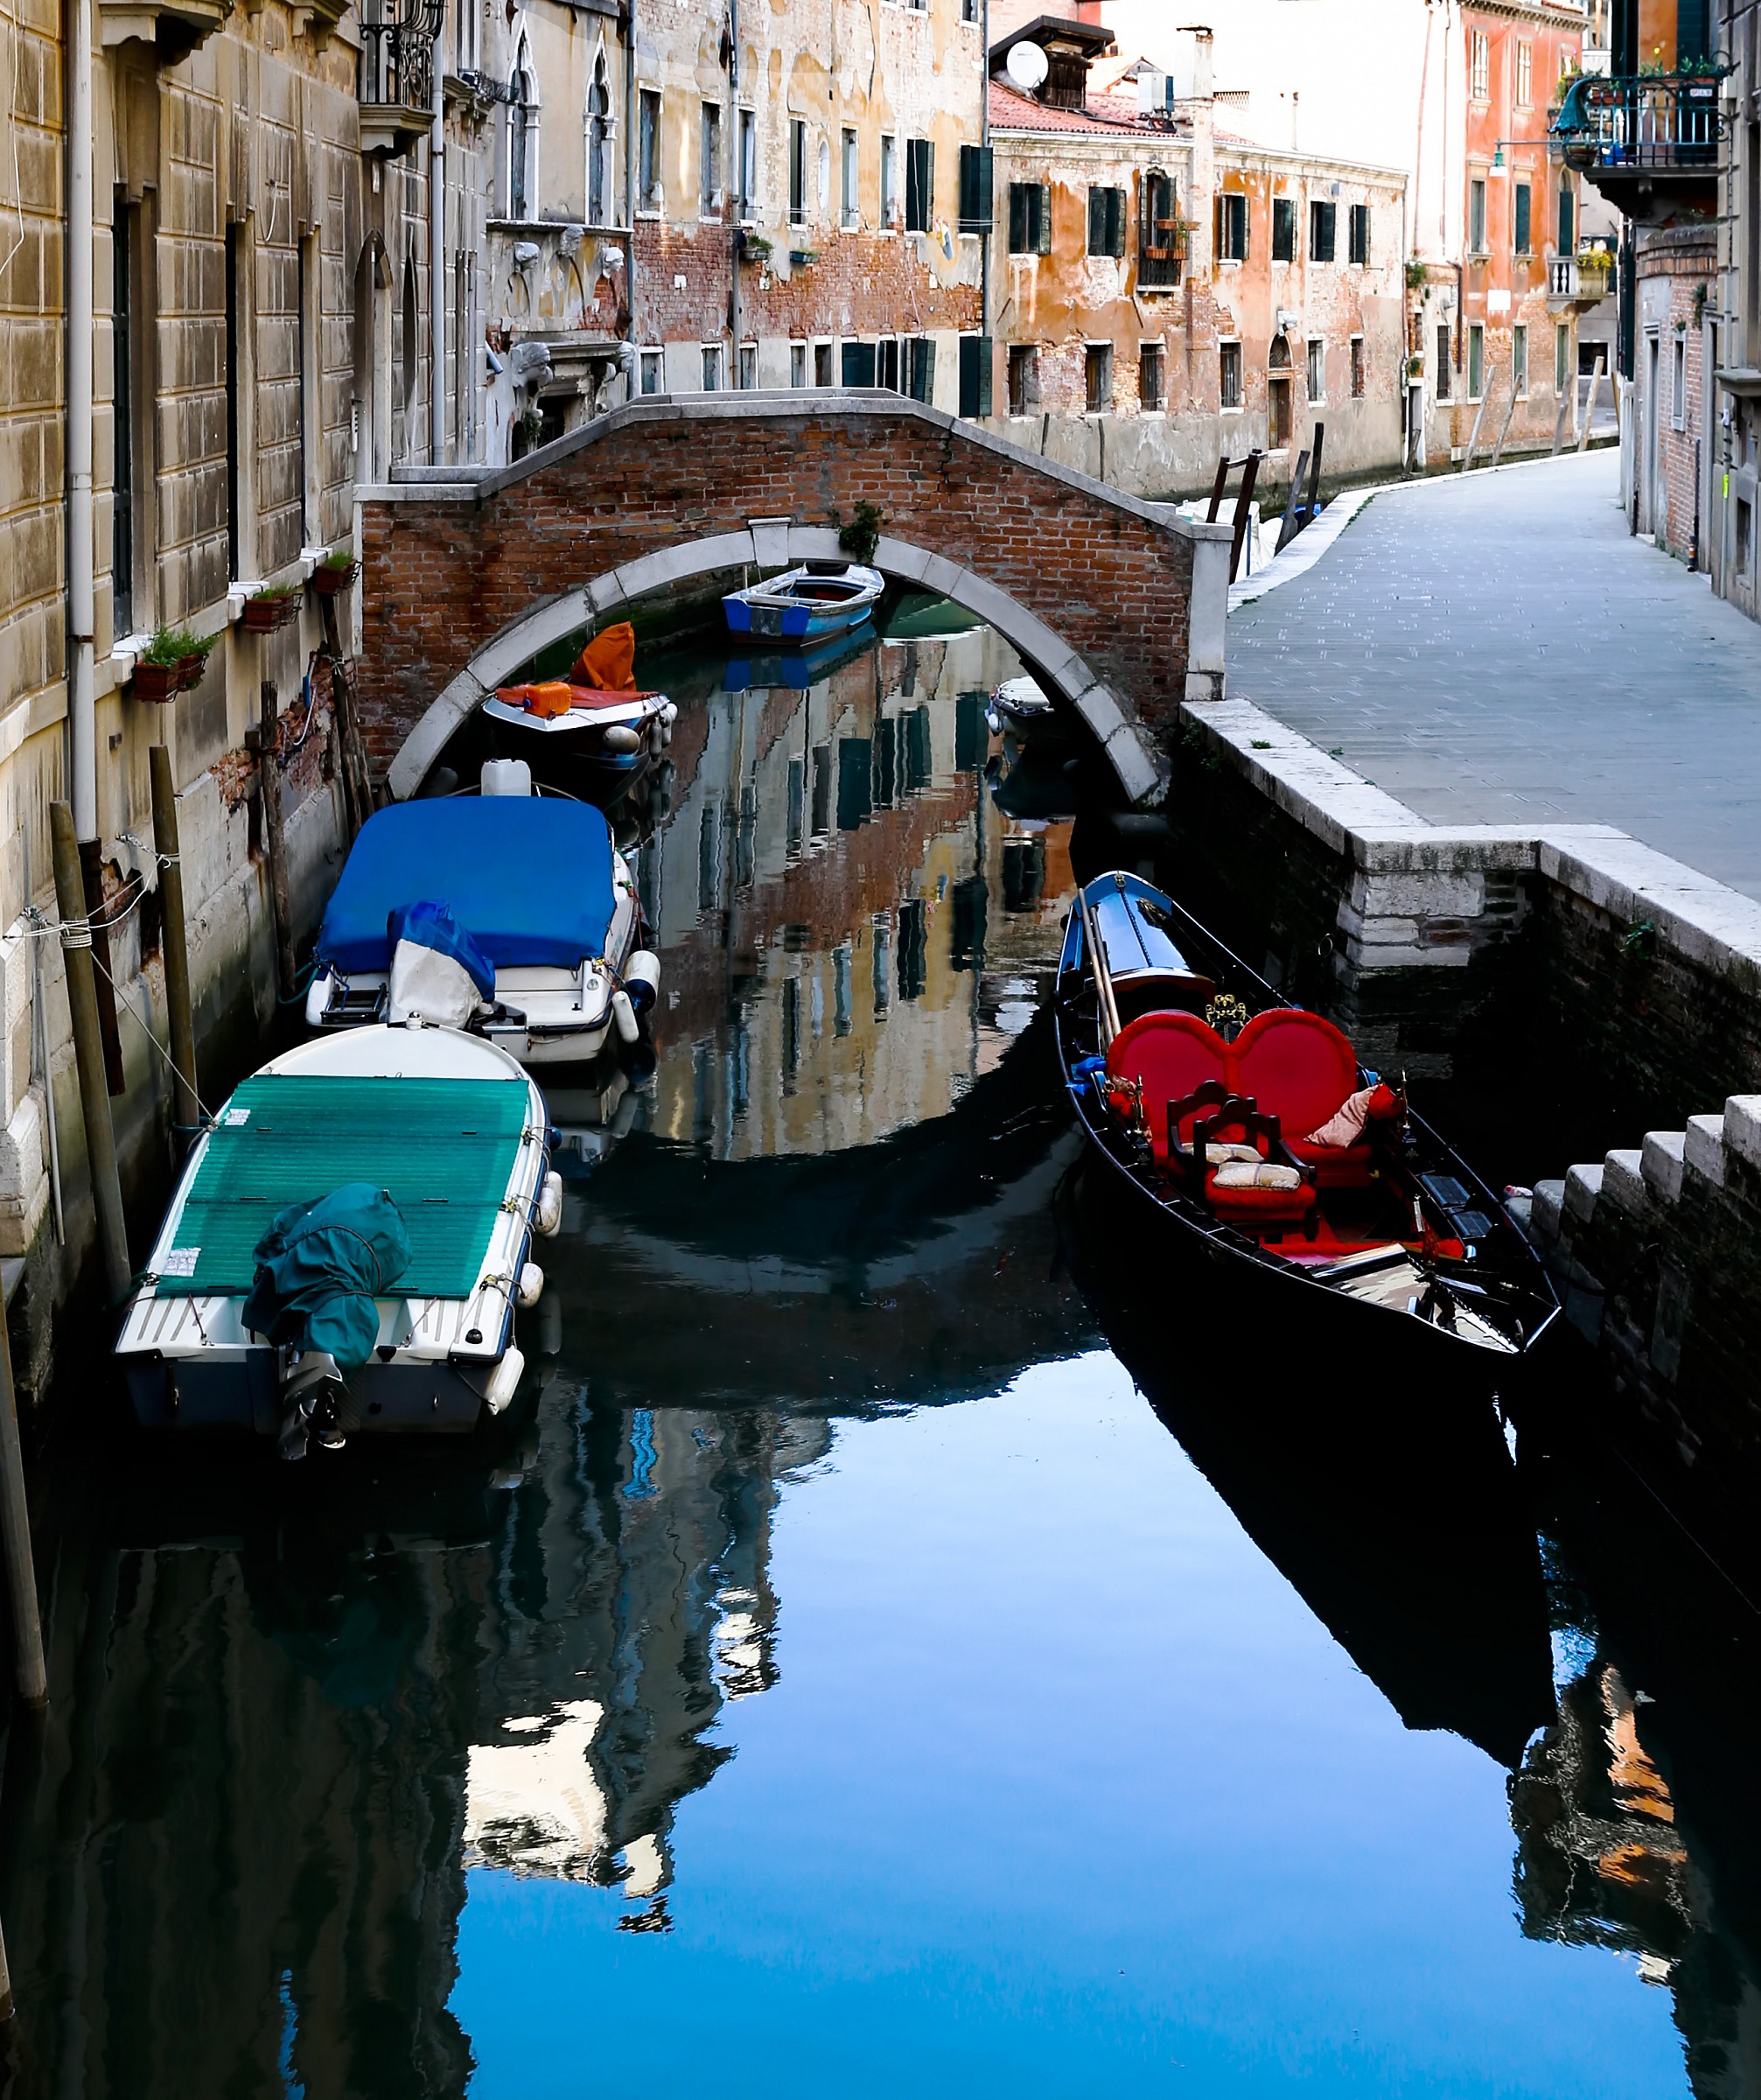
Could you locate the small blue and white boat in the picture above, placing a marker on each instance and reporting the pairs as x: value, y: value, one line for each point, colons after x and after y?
x: 806, y: 604
x: 510, y: 915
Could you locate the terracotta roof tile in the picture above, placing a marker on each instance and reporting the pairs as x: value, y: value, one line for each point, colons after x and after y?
x: 1107, y: 116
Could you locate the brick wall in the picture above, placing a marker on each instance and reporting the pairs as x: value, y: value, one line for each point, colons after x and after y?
x: 443, y: 575
x: 1675, y: 269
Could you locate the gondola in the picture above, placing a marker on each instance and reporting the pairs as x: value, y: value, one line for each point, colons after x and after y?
x: 1244, y: 1137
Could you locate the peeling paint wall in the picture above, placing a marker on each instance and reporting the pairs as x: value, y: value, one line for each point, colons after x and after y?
x: 1060, y: 309
x: 817, y: 270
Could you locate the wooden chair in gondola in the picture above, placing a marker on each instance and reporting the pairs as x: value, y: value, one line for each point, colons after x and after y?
x: 1252, y: 1206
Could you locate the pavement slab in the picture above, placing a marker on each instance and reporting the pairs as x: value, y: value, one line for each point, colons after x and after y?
x: 1497, y: 649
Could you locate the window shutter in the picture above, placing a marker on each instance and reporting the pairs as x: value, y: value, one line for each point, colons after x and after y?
x: 1043, y: 242
x: 1097, y: 222
x: 976, y: 205
x: 859, y: 364
x: 1017, y: 219
x: 1115, y: 223
x: 975, y: 358
x: 923, y: 369
x: 1522, y: 218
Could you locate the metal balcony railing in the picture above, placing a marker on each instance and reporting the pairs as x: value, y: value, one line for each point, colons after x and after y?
x: 397, y: 65
x: 1662, y: 124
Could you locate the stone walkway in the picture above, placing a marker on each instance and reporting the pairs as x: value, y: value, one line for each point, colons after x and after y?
x: 1496, y: 648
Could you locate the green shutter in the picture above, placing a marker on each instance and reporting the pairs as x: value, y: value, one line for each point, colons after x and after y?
x: 1097, y: 221
x: 976, y: 359
x: 1019, y: 243
x: 1522, y: 218
x: 976, y: 205
x: 859, y: 364
x: 1043, y: 231
x: 1115, y: 223
x: 922, y: 353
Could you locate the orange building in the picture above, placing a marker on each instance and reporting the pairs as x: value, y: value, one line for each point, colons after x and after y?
x: 1500, y: 284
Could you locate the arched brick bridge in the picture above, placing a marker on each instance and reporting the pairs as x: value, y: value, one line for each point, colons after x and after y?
x: 1117, y: 606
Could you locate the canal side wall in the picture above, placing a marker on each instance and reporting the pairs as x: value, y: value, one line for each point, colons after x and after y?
x: 1654, y: 1252
x: 229, y: 918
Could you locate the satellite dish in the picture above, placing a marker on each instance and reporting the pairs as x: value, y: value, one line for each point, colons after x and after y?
x: 1027, y: 67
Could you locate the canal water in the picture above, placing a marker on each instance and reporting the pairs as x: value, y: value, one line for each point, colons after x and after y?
x: 874, y: 1658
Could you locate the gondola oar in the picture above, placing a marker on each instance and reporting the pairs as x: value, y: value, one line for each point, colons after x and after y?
x: 1103, y: 977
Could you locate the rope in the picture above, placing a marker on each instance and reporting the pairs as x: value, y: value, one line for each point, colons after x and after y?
x: 123, y: 1007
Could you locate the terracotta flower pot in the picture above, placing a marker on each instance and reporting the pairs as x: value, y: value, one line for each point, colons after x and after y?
x: 264, y: 615
x: 157, y: 683
x: 332, y: 583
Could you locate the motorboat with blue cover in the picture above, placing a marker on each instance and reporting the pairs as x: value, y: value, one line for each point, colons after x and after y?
x: 1243, y: 1133
x: 512, y: 915
x: 348, y: 1244
x: 806, y: 604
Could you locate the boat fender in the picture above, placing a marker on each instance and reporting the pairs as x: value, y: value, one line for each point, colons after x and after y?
x: 669, y: 713
x: 504, y: 1380
x: 642, y: 978
x: 530, y: 1286
x: 620, y: 738
x: 629, y: 1028
x: 550, y: 1218
x: 318, y: 996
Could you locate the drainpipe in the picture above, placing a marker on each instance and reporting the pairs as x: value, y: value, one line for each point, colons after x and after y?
x: 984, y: 140
x: 734, y: 187
x: 82, y: 726
x: 631, y: 332
x: 437, y: 265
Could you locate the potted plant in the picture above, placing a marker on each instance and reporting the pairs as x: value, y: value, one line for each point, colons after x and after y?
x: 271, y: 607
x: 171, y: 662
x: 335, y: 573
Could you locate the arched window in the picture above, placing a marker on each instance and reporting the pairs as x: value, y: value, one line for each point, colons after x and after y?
x: 520, y: 136
x: 598, y: 108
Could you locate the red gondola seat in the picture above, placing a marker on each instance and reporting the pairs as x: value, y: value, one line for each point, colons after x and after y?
x: 1168, y: 1056
x: 1300, y: 1068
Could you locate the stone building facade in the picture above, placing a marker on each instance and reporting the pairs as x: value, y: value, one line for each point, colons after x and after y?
x: 1168, y: 293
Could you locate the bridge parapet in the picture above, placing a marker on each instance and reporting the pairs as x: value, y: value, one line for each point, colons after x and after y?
x: 1116, y: 604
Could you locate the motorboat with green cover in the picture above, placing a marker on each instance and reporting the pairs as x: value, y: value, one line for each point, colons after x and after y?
x: 509, y: 914
x: 348, y: 1244
x: 1243, y: 1135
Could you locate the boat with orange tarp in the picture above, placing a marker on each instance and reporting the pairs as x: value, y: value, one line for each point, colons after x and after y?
x: 591, y: 731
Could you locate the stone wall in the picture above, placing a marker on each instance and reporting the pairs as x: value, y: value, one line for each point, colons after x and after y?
x: 1654, y: 1251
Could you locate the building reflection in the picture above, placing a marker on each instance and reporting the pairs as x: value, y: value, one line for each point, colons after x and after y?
x: 279, y: 1737
x: 1604, y: 1860
x: 848, y: 928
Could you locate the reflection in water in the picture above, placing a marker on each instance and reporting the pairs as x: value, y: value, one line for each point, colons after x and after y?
x: 291, y: 1716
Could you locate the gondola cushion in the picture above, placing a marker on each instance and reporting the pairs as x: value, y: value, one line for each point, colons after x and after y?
x: 1170, y: 1055
x: 1264, y: 1206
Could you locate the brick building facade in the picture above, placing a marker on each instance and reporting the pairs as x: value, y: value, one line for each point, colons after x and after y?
x: 1167, y: 293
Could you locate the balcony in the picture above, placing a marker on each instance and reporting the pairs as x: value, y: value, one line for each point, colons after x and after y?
x: 1579, y: 282
x: 1649, y: 143
x: 396, y: 86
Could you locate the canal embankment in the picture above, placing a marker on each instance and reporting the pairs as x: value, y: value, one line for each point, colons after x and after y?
x: 47, y: 1216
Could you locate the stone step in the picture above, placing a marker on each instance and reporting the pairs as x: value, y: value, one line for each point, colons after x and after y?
x: 1660, y: 1163
x: 1583, y: 1186
x: 1703, y: 1148
x: 1623, y: 1180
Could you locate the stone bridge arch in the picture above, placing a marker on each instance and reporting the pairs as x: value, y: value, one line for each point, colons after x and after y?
x: 1117, y: 605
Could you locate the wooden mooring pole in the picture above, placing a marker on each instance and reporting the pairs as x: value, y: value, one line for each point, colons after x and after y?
x: 28, y: 1669
x: 1589, y: 406
x: 89, y: 1052
x: 175, y: 936
x: 275, y: 835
